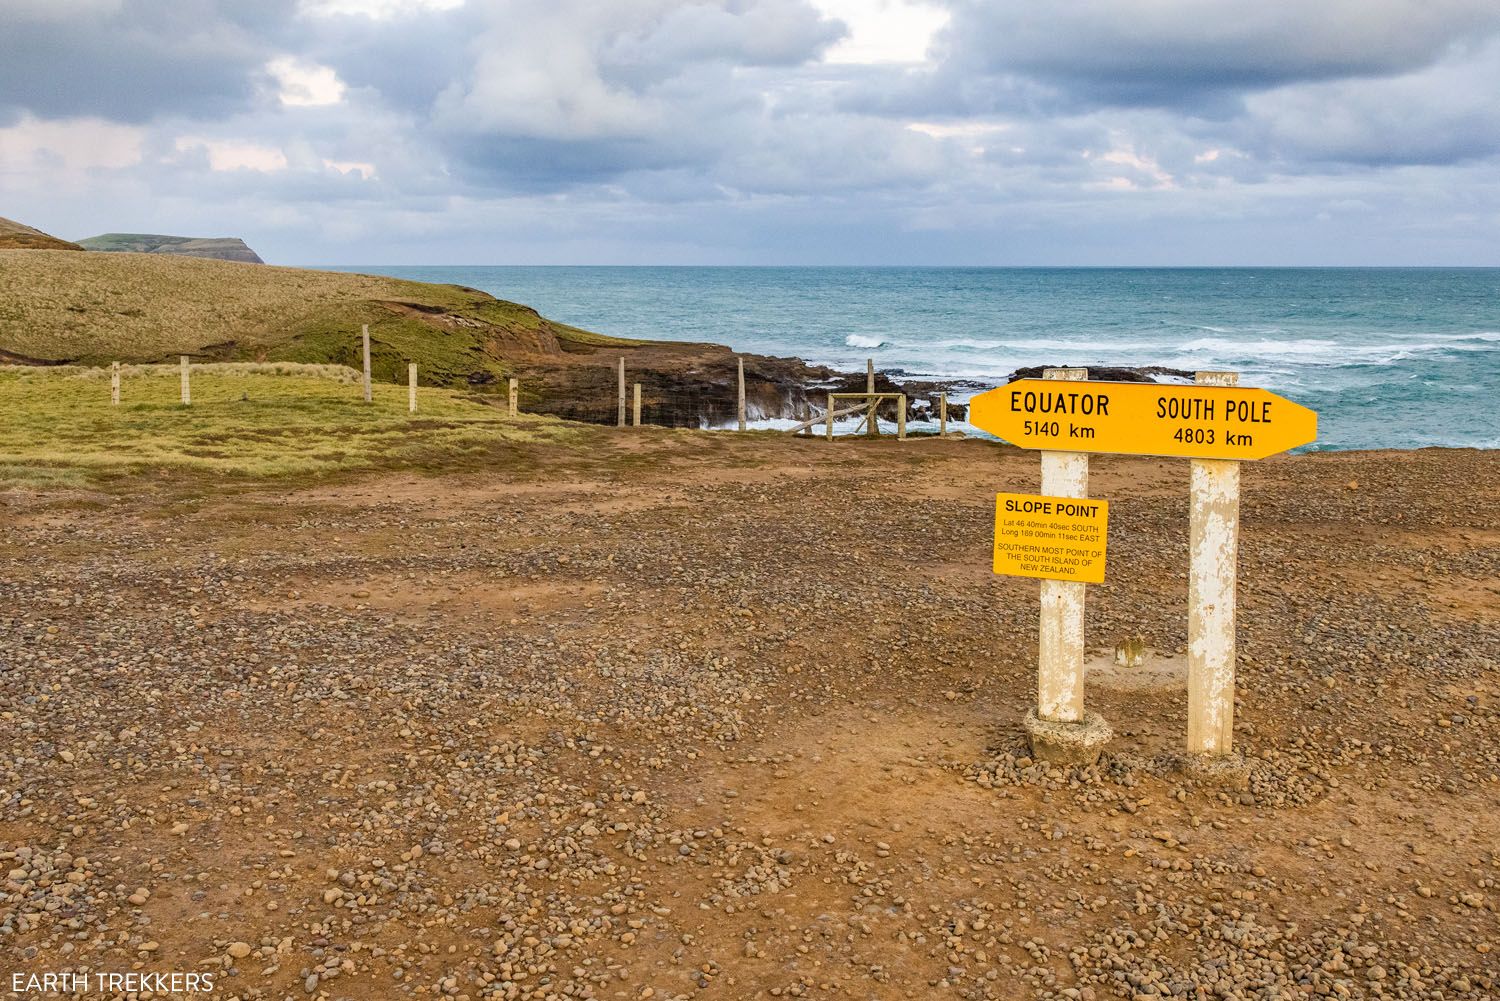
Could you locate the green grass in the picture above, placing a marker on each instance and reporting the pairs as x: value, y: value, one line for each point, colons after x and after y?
x: 245, y: 421
x: 96, y: 308
x: 142, y: 242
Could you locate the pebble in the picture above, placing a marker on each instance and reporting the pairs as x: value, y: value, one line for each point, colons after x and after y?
x: 533, y: 776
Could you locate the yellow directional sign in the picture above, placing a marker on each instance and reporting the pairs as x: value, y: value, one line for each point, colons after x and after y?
x: 1144, y: 418
x: 1057, y: 538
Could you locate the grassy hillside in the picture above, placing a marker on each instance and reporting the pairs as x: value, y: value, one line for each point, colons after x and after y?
x: 222, y: 248
x: 96, y: 308
x: 15, y: 236
x: 245, y: 421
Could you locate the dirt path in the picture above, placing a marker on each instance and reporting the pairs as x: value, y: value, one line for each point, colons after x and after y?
x: 686, y: 714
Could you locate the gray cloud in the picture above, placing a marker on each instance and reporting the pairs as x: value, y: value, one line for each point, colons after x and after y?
x: 1442, y: 114
x: 405, y: 61
x: 133, y: 60
x: 760, y: 33
x: 1185, y: 52
x: 713, y: 130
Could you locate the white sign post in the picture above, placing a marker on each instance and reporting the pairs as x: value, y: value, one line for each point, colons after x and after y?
x: 1214, y: 423
x: 411, y: 388
x: 1058, y: 729
x: 1059, y: 690
x: 1214, y: 532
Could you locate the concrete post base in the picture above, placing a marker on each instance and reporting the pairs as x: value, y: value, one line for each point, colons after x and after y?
x: 1067, y: 743
x: 1228, y: 771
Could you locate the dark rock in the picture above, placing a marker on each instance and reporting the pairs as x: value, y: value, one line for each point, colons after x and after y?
x: 1105, y: 373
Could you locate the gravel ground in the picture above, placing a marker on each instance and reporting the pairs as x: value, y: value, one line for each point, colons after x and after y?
x: 692, y: 715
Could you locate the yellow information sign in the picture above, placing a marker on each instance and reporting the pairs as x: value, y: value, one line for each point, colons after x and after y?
x: 1058, y: 538
x: 1144, y: 418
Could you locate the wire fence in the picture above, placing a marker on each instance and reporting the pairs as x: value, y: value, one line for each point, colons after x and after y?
x: 657, y: 408
x: 706, y: 397
x: 712, y: 400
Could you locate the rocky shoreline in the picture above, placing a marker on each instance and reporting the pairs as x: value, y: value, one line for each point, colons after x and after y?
x: 694, y: 385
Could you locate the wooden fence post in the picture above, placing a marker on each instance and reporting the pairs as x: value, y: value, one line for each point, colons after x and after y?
x: 411, y: 387
x: 942, y: 415
x: 187, y: 389
x: 742, y: 393
x: 114, y: 384
x: 513, y: 387
x: 830, y: 417
x: 620, y: 422
x: 364, y: 334
x: 872, y: 423
x: 637, y: 412
x: 901, y: 418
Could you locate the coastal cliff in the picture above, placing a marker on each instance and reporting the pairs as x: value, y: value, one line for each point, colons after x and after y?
x: 217, y: 248
x: 93, y: 309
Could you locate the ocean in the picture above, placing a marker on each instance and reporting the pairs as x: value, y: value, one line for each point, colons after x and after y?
x: 1389, y: 357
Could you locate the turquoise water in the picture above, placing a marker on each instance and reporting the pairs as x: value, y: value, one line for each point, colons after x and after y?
x: 1388, y: 357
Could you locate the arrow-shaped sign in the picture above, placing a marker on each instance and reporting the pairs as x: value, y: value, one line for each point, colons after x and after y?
x: 1144, y: 418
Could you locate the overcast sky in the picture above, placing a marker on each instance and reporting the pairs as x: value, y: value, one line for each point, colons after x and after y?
x: 763, y: 131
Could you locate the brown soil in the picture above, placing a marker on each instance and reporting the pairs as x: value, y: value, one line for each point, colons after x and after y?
x: 18, y: 236
x: 720, y: 716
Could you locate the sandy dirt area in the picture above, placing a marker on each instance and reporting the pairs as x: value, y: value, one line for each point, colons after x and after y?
x: 674, y: 714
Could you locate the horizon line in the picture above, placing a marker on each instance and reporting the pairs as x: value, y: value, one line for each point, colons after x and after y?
x: 956, y: 267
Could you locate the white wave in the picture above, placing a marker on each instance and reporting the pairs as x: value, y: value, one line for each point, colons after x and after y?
x: 1487, y: 336
x: 971, y: 344
x: 1221, y: 346
x: 863, y: 341
x: 1124, y: 350
x: 1322, y: 352
x: 1261, y: 356
x: 1057, y: 344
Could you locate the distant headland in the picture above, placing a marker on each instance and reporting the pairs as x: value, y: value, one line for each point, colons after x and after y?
x: 19, y: 236
x: 218, y: 248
